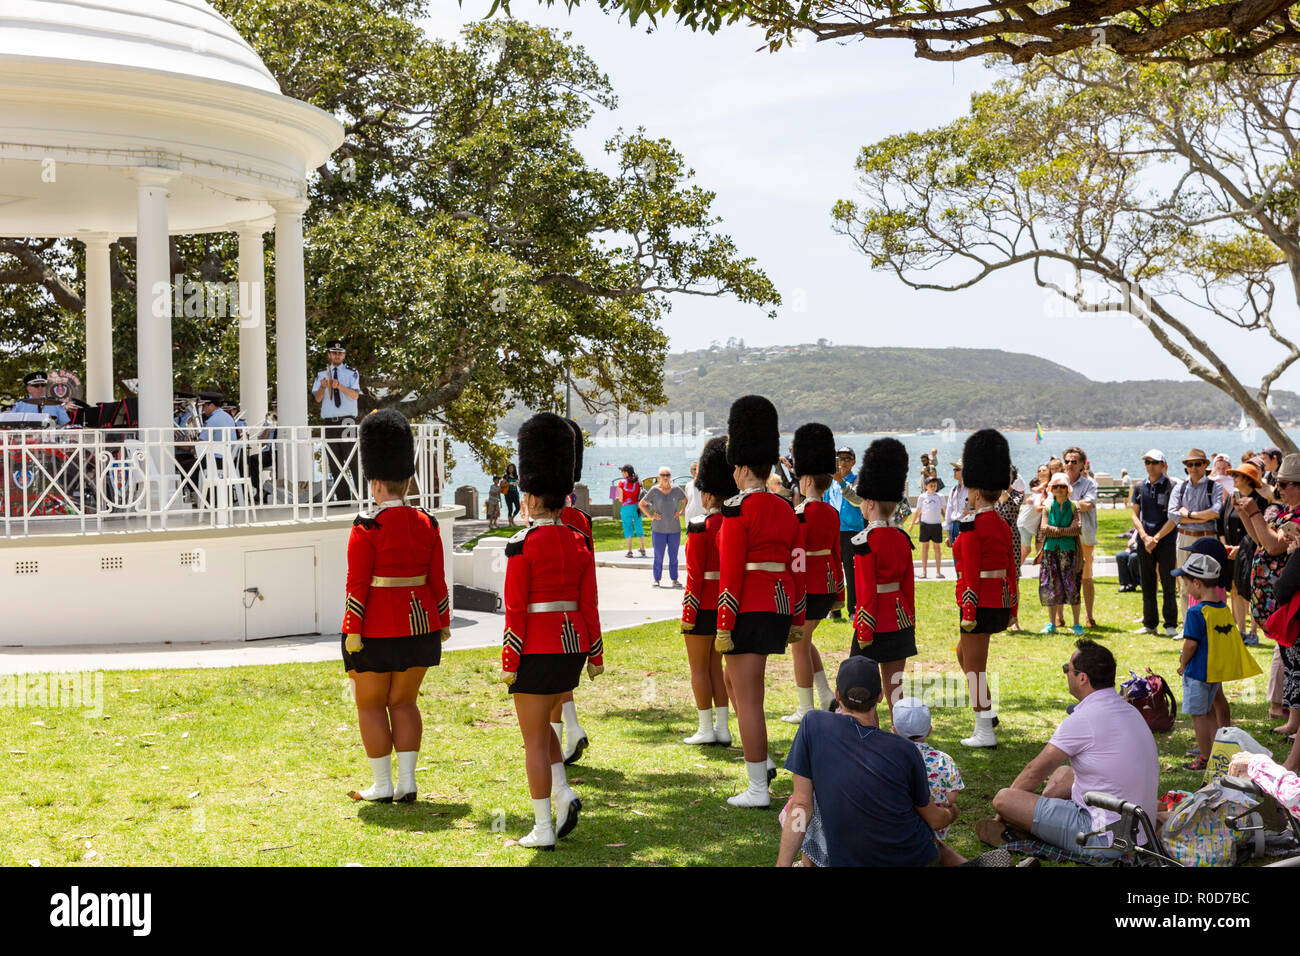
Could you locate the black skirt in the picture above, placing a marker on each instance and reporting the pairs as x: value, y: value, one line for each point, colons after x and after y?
x: 760, y: 632
x: 887, y: 647
x: 548, y: 673
x: 817, y: 607
x: 706, y: 624
x: 386, y: 655
x: 991, y: 620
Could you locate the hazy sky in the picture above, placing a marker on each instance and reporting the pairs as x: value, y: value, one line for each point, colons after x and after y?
x: 775, y: 136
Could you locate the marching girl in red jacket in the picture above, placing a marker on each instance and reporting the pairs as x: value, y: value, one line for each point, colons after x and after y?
x: 988, y: 591
x: 397, y: 614
x: 884, y: 622
x: 760, y: 603
x: 564, y: 715
x: 552, y: 628
x: 817, y: 561
x: 716, y: 484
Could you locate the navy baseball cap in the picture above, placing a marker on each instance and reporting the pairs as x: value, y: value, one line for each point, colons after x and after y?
x: 858, y: 682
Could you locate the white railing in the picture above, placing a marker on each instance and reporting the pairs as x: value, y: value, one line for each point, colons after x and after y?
x: 70, y: 481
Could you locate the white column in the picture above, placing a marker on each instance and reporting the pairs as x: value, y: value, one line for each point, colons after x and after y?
x: 153, y: 298
x: 252, y: 325
x: 99, y: 320
x: 291, y: 323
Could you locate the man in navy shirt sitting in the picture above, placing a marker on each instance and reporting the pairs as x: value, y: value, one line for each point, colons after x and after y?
x: 873, y: 804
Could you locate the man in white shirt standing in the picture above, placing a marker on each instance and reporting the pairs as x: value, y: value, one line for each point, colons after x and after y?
x: 337, y: 388
x: 956, y: 504
x: 694, y: 501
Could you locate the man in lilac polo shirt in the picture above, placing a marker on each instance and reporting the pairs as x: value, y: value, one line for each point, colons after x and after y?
x: 1109, y: 748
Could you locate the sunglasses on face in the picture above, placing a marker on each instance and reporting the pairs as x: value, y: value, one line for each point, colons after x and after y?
x: 1283, y: 484
x: 1066, y: 668
x: 1073, y: 461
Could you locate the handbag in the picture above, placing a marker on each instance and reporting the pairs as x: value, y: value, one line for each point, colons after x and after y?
x: 1283, y: 625
x: 1154, y: 700
x: 1197, y: 833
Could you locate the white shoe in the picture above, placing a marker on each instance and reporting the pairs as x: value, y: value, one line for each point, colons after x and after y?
x: 567, y: 806
x: 405, y: 796
x: 795, y: 718
x: 1173, y: 632
x: 579, y: 745
x: 539, y: 839
x: 722, y: 736
x: 757, y: 799
x: 377, y: 793
x: 756, y: 794
x: 1145, y: 630
x: 702, y: 737
x: 984, y: 735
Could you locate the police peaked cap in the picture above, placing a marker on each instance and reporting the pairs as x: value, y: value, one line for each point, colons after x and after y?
x: 387, y: 446
x: 546, y: 455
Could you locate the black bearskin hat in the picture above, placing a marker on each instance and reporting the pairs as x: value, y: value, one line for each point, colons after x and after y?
x: 714, y: 476
x: 753, y: 433
x: 986, y: 461
x: 884, y: 471
x: 814, y: 450
x: 546, y: 455
x: 387, y: 446
x: 577, y: 450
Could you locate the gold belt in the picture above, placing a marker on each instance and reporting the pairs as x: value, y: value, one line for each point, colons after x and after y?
x: 999, y: 573
x: 817, y: 554
x: 775, y: 567
x: 542, y: 607
x: 712, y: 575
x: 415, y: 582
x: 889, y: 588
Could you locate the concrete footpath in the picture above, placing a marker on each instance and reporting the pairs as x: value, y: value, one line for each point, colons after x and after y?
x: 626, y: 598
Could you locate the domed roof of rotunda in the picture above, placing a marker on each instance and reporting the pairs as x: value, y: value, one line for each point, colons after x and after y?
x: 185, y: 37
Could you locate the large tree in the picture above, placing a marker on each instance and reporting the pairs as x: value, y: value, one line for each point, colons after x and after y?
x: 1191, y: 31
x: 1165, y: 193
x: 459, y: 241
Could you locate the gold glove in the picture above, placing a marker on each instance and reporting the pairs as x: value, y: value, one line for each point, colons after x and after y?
x: 795, y: 635
x: 507, y: 677
x: 353, y: 643
x: 446, y: 634
x: 968, y: 626
x: 723, y: 642
x: 594, y: 670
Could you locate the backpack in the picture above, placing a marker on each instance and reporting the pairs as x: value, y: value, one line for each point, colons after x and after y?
x: 1153, y: 699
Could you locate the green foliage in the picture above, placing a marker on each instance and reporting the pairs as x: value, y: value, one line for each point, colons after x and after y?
x: 458, y: 240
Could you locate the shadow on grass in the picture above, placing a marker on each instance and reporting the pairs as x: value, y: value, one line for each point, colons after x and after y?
x: 422, y: 816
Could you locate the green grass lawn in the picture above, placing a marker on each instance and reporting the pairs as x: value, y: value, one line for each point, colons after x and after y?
x: 251, y: 765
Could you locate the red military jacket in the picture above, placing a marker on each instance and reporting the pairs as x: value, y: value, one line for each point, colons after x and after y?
x: 577, y: 518
x: 550, y: 562
x: 819, y: 526
x: 703, y: 561
x: 885, y: 587
x: 758, y: 528
x: 397, y: 542
x: 986, y: 566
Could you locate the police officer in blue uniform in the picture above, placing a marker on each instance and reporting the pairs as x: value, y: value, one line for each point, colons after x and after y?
x: 36, y: 403
x: 337, y: 388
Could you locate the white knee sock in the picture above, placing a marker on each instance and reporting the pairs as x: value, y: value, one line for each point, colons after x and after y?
x: 558, y: 727
x: 571, y: 725
x: 805, y: 699
x: 824, y: 693
x: 559, y: 779
x: 406, y: 760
